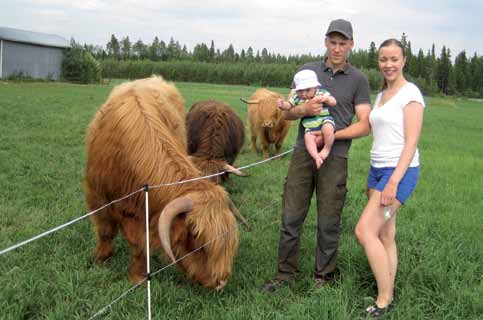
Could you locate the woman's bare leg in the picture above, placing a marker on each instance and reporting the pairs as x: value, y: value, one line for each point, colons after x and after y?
x: 383, y: 262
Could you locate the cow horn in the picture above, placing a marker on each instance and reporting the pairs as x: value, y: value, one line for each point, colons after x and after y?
x: 232, y: 169
x: 250, y: 101
x: 172, y: 209
x: 237, y: 214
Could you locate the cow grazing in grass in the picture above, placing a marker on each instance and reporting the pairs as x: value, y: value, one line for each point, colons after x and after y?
x: 139, y: 137
x: 215, y: 137
x: 266, y: 121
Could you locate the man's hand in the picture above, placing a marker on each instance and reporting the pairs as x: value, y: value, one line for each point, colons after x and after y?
x: 320, y: 99
x: 313, y: 107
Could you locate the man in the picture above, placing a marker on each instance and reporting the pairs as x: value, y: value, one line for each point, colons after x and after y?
x: 351, y: 90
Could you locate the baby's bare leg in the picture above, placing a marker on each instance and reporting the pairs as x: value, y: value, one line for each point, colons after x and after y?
x: 312, y: 148
x: 329, y: 137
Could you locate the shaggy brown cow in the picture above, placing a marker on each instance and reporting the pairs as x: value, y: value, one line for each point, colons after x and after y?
x: 266, y: 121
x: 136, y: 138
x: 215, y: 137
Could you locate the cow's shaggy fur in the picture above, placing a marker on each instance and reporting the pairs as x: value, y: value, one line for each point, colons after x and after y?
x: 138, y: 137
x: 266, y: 121
x: 215, y: 136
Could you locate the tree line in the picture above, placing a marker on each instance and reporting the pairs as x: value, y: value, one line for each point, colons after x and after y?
x: 434, y: 72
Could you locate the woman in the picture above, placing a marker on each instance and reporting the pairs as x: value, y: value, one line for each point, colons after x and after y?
x: 396, y: 120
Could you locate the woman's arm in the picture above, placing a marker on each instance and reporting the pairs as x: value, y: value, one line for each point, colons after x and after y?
x: 413, y: 122
x: 357, y: 129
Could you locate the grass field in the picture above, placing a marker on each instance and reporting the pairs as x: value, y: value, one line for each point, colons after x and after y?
x: 42, y: 160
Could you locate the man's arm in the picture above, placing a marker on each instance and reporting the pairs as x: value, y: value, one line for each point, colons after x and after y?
x: 358, y: 129
x: 310, y: 108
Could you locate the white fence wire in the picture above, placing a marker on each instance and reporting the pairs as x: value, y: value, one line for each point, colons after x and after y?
x: 150, y: 275
x: 104, y: 309
x: 18, y: 245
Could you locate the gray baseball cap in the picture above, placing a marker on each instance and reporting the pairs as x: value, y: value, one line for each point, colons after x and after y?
x: 341, y: 26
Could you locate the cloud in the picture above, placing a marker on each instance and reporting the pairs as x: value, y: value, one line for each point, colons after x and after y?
x: 280, y: 26
x: 73, y: 4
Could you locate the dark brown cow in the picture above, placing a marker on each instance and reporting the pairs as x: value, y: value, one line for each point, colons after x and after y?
x: 216, y: 135
x: 138, y: 137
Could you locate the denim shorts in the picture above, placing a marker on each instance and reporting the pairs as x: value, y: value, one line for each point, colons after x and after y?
x: 378, y: 178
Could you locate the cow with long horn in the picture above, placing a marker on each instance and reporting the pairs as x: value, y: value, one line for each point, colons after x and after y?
x: 139, y: 137
x: 216, y: 135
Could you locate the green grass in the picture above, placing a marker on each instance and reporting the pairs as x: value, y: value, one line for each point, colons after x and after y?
x: 42, y: 160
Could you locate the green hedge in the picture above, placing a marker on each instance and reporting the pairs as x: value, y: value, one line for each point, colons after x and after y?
x: 277, y: 75
x: 259, y: 74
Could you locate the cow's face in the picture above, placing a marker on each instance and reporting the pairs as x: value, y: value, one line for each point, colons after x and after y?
x: 268, y: 112
x: 213, y: 233
x: 205, y: 239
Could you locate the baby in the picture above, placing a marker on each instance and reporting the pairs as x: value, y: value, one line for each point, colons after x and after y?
x: 308, y: 87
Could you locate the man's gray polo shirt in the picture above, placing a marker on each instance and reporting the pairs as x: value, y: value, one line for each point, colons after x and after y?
x: 350, y: 88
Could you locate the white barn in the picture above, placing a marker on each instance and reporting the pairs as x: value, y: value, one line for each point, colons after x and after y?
x: 34, y: 54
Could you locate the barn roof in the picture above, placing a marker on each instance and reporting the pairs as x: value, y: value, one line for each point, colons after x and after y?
x: 43, y: 39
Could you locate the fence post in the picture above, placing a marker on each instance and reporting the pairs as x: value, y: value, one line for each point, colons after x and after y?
x: 148, y: 255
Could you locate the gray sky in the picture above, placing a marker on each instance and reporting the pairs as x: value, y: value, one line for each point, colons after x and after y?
x: 286, y: 27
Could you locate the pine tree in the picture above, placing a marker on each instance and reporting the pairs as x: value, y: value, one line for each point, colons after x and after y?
x: 264, y: 55
x: 243, y: 55
x: 173, y: 49
x: 451, y: 75
x: 250, y: 56
x: 432, y: 67
x: 229, y: 54
x: 201, y: 53
x: 140, y: 50
x: 359, y: 58
x: 372, y: 57
x: 420, y: 66
x: 113, y: 48
x: 155, y: 50
x: 410, y: 68
x: 405, y: 44
x: 163, y: 51
x: 404, y: 41
x: 212, y: 51
x: 475, y: 82
x: 185, y: 55
x: 444, y: 74
x: 126, y: 48
x: 461, y: 72
x: 479, y: 77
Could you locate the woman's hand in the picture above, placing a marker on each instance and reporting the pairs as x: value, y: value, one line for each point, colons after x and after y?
x: 389, y: 193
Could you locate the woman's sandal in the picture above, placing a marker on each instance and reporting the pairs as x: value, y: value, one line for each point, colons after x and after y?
x: 375, y: 311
